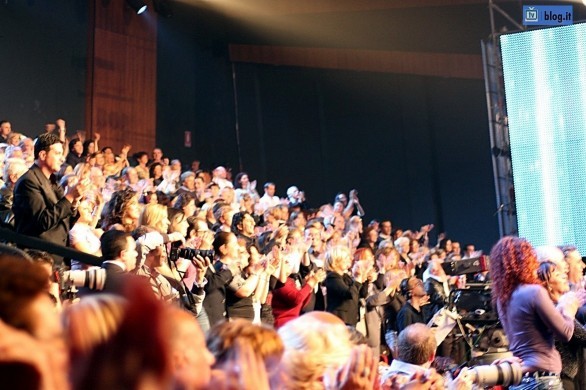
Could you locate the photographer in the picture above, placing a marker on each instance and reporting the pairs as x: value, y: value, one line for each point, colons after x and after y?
x: 219, y: 275
x: 153, y: 252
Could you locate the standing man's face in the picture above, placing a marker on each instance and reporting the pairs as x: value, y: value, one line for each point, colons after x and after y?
x: 6, y: 128
x: 385, y: 228
x: 54, y: 158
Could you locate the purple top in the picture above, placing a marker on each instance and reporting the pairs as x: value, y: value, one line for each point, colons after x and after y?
x: 531, y: 323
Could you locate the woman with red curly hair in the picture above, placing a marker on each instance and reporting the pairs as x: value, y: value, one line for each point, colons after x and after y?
x: 528, y: 315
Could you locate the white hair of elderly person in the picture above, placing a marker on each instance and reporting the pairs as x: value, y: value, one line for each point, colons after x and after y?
x: 551, y: 253
x: 320, y: 355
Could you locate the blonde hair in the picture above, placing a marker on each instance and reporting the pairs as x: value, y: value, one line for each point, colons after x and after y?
x: 153, y: 215
x: 314, y: 343
x: 335, y: 255
x: 93, y: 321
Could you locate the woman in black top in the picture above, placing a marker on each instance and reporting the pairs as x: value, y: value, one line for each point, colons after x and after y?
x: 342, y: 289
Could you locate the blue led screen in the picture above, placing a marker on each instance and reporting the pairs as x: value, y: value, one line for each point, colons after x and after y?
x: 545, y: 87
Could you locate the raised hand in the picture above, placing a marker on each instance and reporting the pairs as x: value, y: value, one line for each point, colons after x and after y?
x: 359, y: 373
x: 201, y: 265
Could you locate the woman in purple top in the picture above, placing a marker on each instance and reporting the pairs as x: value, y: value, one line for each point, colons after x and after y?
x: 528, y: 315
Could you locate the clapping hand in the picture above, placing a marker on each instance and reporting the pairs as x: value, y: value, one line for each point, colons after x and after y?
x: 243, y: 370
x: 359, y: 373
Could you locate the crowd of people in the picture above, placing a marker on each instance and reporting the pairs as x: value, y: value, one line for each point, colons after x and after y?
x: 201, y: 282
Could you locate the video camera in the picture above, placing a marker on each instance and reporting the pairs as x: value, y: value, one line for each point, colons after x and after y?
x: 466, y: 266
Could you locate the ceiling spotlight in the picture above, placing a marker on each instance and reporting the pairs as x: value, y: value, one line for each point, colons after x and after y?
x: 139, y: 6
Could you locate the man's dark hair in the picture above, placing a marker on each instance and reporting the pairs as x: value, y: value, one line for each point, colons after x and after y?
x: 139, y: 155
x: 113, y: 242
x: 267, y: 184
x: 416, y: 344
x: 237, y: 219
x: 39, y: 256
x: 44, y: 142
x: 3, y: 122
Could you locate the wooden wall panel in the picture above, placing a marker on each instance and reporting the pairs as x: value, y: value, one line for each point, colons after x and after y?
x: 465, y: 66
x: 122, y: 75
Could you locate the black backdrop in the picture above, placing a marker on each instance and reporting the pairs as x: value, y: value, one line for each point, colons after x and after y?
x: 416, y: 148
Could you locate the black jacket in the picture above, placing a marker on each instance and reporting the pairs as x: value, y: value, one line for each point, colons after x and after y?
x: 408, y: 315
x: 215, y: 300
x: 437, y: 298
x: 342, y: 297
x: 39, y: 207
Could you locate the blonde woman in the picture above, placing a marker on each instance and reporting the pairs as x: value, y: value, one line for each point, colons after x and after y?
x: 342, y: 289
x: 156, y: 217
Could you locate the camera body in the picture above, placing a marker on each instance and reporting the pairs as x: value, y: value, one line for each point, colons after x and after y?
x: 189, y: 253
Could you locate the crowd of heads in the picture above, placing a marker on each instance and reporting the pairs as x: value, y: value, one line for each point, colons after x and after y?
x: 261, y: 266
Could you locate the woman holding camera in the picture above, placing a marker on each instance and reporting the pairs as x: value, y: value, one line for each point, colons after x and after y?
x: 528, y: 315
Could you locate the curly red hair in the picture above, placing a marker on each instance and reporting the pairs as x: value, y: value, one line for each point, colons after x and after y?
x: 512, y: 262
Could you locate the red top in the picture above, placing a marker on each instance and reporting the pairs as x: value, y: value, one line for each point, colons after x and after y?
x: 288, y: 301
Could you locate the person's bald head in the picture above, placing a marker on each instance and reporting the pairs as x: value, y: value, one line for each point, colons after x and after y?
x: 416, y: 345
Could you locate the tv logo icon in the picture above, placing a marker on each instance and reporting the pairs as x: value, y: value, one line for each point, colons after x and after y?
x: 531, y: 15
x: 548, y: 15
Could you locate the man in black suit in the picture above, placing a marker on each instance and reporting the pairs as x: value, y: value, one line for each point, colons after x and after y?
x: 41, y: 207
x: 119, y: 252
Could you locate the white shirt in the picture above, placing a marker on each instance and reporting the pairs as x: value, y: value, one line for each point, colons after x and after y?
x: 399, y: 367
x: 118, y: 263
x: 267, y: 202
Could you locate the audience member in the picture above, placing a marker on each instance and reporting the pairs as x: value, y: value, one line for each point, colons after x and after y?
x: 529, y: 317
x: 342, y: 289
x: 5, y: 129
x: 41, y: 207
x: 413, y: 289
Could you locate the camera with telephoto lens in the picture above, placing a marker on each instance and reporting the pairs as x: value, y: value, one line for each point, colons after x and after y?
x: 93, y: 279
x: 503, y: 374
x: 189, y: 253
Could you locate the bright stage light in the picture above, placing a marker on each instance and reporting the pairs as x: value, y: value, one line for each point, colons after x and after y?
x: 139, y: 6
